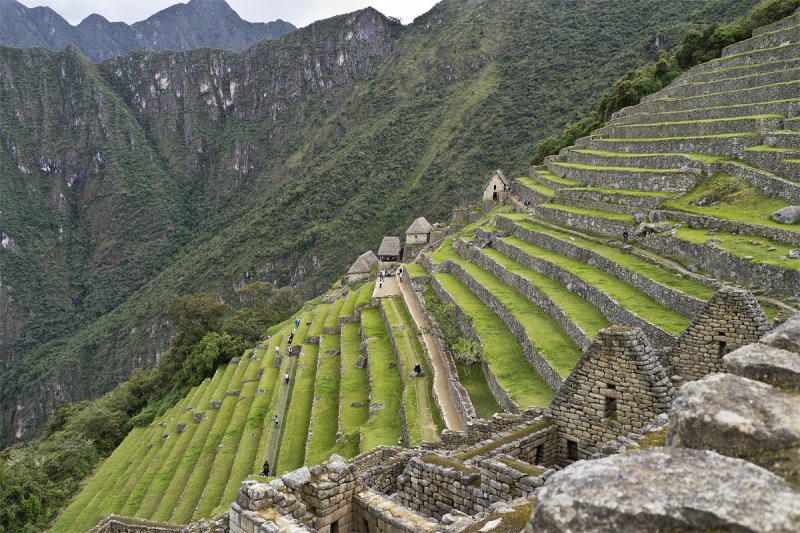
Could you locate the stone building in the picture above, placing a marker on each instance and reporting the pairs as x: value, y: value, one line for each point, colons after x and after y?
x: 391, y: 250
x: 362, y: 267
x: 419, y: 232
x: 616, y: 388
x: 497, y: 189
x: 730, y: 319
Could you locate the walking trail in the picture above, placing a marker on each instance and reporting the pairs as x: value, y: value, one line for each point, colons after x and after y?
x: 440, y: 385
x: 282, y: 407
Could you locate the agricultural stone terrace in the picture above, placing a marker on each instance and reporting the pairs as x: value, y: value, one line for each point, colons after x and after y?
x: 618, y: 296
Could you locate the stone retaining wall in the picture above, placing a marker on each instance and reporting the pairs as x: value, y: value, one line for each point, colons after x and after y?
x: 524, y: 191
x: 125, y: 524
x: 375, y: 512
x: 478, y: 431
x: 788, y: 109
x: 742, y: 96
x: 768, y: 40
x: 677, y: 300
x: 750, y: 79
x: 434, y: 490
x: 684, y: 129
x: 724, y: 265
x: 537, y: 361
x: 620, y: 203
x: 500, y: 395
x: 525, y: 287
x: 606, y: 226
x: 615, y: 179
x: 730, y: 146
x: 501, y: 482
x: 614, y: 312
x: 784, y: 236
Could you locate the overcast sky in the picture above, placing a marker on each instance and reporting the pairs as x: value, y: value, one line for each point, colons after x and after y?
x: 298, y: 12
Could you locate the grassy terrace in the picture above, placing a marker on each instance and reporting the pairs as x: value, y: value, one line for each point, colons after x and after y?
x: 319, y: 321
x: 325, y: 412
x: 731, y: 198
x: 624, y: 192
x: 200, y: 478
x: 622, y: 258
x: 536, y: 186
x: 767, y: 148
x: 743, y: 245
x: 332, y: 320
x: 354, y: 386
x: 365, y: 294
x: 590, y: 212
x: 546, y: 335
x: 423, y: 420
x: 769, y: 85
x: 705, y: 158
x: 702, y: 121
x: 631, y: 298
x: 549, y: 176
x: 582, y: 313
x: 349, y: 306
x: 581, y: 166
x: 415, y: 270
x: 688, y: 137
x: 734, y: 106
x: 502, y: 352
x: 294, y: 425
x: 387, y: 388
x: 746, y: 76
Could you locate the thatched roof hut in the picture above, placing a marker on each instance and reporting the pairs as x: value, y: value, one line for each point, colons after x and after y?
x: 421, y: 226
x: 391, y: 249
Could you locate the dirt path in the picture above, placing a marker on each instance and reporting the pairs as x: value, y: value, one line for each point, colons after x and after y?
x: 388, y: 288
x: 273, y: 443
x: 440, y: 385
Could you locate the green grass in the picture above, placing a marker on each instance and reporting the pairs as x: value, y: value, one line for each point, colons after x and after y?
x: 422, y: 417
x: 767, y: 86
x: 549, y: 176
x: 582, y: 313
x: 415, y: 270
x: 354, y: 383
x: 443, y: 253
x: 631, y: 262
x: 582, y: 166
x: 629, y: 297
x: 734, y: 106
x: 384, y: 427
x: 703, y: 120
x: 506, y: 439
x: 525, y: 468
x: 705, y: 158
x: 623, y: 192
x: 731, y: 198
x: 535, y: 185
x: 332, y: 320
x: 325, y: 411
x: 365, y: 294
x: 349, y: 306
x: 502, y: 352
x: 743, y: 245
x: 295, y: 423
x: 591, y: 212
x: 474, y: 380
x: 767, y: 148
x: 201, y: 470
x: 546, y: 335
x: 650, y: 139
x: 319, y: 320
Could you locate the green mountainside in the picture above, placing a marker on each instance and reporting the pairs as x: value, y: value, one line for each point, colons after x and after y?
x: 161, y: 173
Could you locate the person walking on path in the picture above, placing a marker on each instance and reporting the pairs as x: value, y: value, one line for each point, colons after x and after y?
x: 286, y: 378
x: 275, y: 419
x: 265, y: 469
x: 277, y: 351
x: 625, y: 237
x: 296, y: 322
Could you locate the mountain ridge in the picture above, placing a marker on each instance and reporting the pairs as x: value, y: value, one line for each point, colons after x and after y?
x: 196, y: 24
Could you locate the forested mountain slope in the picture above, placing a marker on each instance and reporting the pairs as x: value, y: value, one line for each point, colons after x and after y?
x: 160, y: 173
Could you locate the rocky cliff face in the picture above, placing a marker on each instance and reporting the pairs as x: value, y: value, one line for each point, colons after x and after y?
x: 199, y: 23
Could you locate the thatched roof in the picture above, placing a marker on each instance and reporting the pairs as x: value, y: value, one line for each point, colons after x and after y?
x: 364, y: 264
x: 419, y: 226
x: 499, y: 173
x: 390, y: 246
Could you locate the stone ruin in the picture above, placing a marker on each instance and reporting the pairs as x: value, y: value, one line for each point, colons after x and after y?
x: 588, y: 462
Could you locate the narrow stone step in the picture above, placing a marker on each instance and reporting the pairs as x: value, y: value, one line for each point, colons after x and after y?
x: 779, y: 37
x: 786, y: 107
x: 630, y: 178
x: 762, y: 93
x: 718, y: 126
x: 737, y: 79
x: 786, y: 22
x: 690, y: 76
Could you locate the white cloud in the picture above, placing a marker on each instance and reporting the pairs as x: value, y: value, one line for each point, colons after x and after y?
x: 298, y: 12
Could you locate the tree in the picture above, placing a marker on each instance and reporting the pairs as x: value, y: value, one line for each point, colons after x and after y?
x: 194, y: 315
x: 467, y: 352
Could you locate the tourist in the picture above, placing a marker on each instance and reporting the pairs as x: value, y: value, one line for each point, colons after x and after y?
x: 275, y: 419
x: 625, y: 237
x: 277, y: 351
x: 418, y: 369
x: 296, y: 322
x: 265, y: 469
x: 286, y: 378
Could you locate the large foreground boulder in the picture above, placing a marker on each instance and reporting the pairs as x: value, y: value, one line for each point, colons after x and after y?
x: 735, y: 416
x: 665, y: 489
x: 767, y: 364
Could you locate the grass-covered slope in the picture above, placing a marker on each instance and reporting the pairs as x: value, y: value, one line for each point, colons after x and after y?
x: 155, y: 174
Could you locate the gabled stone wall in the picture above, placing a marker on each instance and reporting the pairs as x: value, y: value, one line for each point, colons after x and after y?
x: 617, y: 387
x: 731, y: 319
